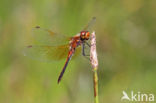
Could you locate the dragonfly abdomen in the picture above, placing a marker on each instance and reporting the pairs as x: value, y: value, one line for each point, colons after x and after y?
x: 70, y: 54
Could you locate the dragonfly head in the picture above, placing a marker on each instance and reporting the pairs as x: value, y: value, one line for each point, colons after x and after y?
x: 84, y: 35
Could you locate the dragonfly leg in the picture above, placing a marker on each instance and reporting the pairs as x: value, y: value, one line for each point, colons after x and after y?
x: 87, y: 44
x: 83, y: 52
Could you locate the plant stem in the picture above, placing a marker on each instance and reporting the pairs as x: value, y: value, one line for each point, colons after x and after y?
x: 95, y: 81
x: 94, y: 62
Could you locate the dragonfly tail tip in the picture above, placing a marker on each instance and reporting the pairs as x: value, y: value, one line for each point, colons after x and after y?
x: 58, y: 81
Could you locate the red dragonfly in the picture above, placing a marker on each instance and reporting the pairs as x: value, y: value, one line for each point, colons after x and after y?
x: 53, y: 46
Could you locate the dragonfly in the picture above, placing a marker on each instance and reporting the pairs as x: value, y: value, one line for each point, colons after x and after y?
x: 52, y: 46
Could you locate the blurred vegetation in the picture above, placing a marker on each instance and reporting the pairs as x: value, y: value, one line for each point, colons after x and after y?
x: 126, y: 44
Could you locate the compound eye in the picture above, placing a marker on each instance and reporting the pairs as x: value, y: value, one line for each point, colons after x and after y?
x: 83, y: 33
x: 87, y: 34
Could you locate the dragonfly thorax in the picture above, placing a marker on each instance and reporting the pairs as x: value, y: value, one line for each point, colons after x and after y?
x: 84, y: 35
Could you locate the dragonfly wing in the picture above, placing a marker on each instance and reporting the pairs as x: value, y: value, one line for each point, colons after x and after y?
x: 47, y: 53
x: 48, y: 37
x: 77, y: 52
x: 89, y: 26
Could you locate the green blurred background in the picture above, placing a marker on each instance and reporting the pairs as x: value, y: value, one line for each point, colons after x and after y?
x: 126, y: 38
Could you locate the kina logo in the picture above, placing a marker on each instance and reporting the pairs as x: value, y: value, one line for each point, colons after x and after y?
x: 140, y: 97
